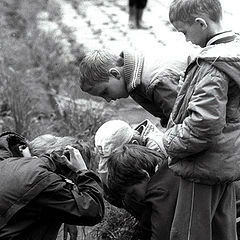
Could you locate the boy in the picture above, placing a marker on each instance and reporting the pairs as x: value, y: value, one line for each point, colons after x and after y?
x: 150, y: 198
x: 36, y: 193
x: 151, y: 82
x: 204, y: 128
x: 115, y: 133
x: 146, y: 188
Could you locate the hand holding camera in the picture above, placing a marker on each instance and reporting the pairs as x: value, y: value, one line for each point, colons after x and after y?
x: 72, y: 158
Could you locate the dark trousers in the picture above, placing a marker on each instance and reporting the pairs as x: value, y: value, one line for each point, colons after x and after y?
x: 205, y: 212
x: 139, y: 4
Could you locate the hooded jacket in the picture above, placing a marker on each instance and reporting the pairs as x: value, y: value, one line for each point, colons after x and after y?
x: 153, y: 82
x: 203, y: 136
x: 34, y: 200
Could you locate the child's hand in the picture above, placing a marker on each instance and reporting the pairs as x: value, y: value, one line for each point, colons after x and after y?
x: 71, y: 157
x: 75, y: 162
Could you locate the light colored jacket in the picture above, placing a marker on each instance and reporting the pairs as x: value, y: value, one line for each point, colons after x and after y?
x: 152, y: 81
x: 151, y: 136
x: 203, y: 136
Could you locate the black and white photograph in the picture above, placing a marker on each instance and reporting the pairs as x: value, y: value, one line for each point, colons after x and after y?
x: 119, y: 120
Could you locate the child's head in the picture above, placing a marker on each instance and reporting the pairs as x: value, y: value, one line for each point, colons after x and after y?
x: 48, y: 143
x: 198, y: 20
x: 130, y: 168
x: 110, y: 136
x: 101, y: 75
x: 132, y: 164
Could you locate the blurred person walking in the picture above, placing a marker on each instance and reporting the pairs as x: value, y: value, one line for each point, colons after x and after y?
x: 136, y: 9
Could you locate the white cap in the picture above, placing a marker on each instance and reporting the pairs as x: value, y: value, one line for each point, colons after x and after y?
x: 111, y: 135
x: 108, y: 137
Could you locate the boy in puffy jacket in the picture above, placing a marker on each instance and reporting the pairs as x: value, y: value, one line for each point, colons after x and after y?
x: 202, y: 136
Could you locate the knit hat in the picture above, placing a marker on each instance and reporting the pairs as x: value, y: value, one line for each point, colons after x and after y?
x: 109, y: 136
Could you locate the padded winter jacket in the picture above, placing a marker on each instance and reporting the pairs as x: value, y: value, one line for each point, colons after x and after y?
x: 203, y: 136
x: 153, y: 82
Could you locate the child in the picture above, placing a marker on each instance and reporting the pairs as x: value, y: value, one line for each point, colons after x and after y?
x: 115, y: 133
x: 204, y: 128
x: 152, y: 82
x: 35, y: 197
x: 157, y: 188
x: 147, y: 188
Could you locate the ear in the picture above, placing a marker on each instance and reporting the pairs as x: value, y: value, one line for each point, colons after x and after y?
x: 202, y: 22
x: 115, y: 73
x: 24, y: 150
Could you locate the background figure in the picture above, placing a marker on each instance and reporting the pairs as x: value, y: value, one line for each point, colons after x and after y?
x: 136, y: 8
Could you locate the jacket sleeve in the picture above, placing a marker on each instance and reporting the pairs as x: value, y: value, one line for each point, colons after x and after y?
x: 164, y: 91
x: 206, y: 114
x: 78, y: 203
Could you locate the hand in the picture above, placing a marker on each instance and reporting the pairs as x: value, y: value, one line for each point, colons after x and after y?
x: 75, y: 162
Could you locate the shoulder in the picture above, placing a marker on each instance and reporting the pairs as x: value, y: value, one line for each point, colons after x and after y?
x: 221, y: 51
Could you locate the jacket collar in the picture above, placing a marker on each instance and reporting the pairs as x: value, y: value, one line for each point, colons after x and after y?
x: 223, y: 37
x: 133, y: 65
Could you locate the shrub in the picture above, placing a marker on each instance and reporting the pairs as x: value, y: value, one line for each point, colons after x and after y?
x: 117, y: 225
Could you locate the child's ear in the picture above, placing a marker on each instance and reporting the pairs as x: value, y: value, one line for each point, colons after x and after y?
x: 115, y: 73
x: 202, y: 23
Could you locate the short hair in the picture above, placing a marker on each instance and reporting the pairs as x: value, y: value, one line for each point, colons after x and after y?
x: 187, y: 10
x: 48, y: 143
x: 94, y: 68
x: 126, y: 165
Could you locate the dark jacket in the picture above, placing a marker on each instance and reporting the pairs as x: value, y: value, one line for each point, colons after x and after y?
x: 152, y: 203
x: 203, y: 133
x: 161, y: 197
x: 34, y: 200
x: 153, y: 82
